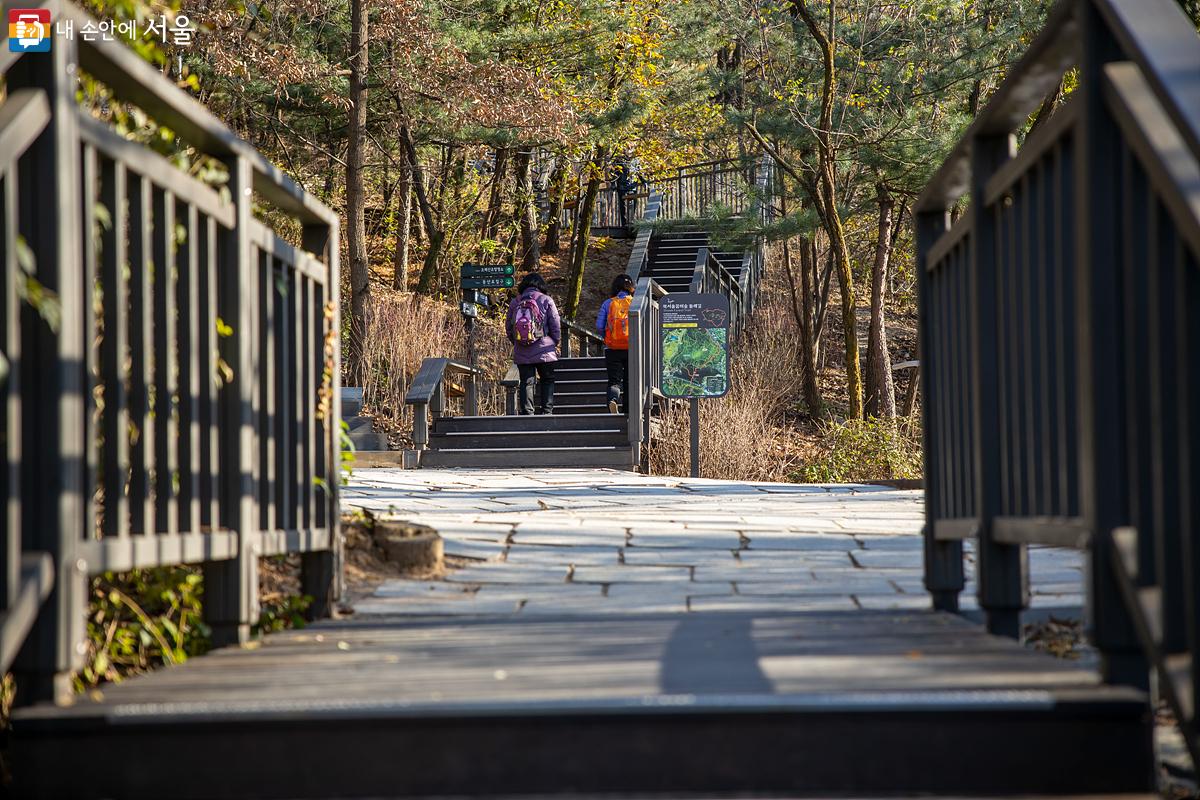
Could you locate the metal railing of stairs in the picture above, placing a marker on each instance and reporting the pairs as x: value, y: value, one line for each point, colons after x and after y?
x: 169, y: 468
x: 709, y: 274
x: 1060, y: 340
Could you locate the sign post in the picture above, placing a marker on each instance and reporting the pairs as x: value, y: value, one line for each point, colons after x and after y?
x: 473, y: 278
x: 694, y: 348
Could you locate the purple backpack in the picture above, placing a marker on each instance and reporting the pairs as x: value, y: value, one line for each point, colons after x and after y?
x: 527, y: 321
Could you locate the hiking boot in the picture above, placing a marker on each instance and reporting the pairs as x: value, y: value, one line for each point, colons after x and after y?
x: 612, y: 407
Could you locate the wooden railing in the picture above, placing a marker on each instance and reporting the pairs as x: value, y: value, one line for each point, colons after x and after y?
x: 1060, y: 339
x: 580, y: 341
x: 430, y: 393
x: 193, y: 418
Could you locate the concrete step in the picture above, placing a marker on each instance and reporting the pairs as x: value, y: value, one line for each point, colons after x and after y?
x: 369, y: 440
x: 615, y: 457
x: 352, y: 401
x: 518, y: 422
x: 600, y: 436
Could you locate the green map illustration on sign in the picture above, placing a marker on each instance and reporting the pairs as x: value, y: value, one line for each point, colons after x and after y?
x: 694, y: 363
x: 694, y: 337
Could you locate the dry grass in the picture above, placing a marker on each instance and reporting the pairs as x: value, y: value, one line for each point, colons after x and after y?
x: 747, y: 435
x: 404, y: 329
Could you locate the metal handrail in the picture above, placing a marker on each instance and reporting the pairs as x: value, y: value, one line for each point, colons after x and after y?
x: 590, y: 342
x: 427, y: 394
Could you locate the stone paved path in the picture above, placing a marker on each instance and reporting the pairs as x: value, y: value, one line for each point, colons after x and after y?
x: 562, y: 541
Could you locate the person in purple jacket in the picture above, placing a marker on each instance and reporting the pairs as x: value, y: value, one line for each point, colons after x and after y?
x: 534, y: 328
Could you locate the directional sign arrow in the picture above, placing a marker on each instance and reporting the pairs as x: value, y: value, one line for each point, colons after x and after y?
x: 485, y: 270
x: 499, y: 282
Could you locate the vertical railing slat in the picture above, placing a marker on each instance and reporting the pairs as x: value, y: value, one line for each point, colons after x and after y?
x: 305, y: 399
x: 10, y: 389
x: 267, y: 404
x: 166, y: 431
x: 188, y: 306
x: 207, y: 275
x: 113, y: 351
x: 284, y: 398
x: 141, y: 356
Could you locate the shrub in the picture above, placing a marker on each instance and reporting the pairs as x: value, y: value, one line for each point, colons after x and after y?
x: 866, y: 450
x: 140, y: 620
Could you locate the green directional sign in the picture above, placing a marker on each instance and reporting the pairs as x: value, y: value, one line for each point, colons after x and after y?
x: 486, y: 271
x: 499, y: 282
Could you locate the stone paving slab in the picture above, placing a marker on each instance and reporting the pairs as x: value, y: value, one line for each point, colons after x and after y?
x: 594, y: 541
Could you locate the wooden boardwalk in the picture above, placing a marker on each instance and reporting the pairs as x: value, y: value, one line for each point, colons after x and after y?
x: 458, y: 694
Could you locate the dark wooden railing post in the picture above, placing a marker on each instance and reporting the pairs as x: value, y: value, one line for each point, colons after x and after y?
x: 943, y: 557
x: 1103, y: 465
x: 1003, y: 568
x: 231, y: 586
x: 321, y: 572
x: 55, y: 377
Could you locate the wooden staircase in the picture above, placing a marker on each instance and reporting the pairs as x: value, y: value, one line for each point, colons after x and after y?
x: 673, y: 255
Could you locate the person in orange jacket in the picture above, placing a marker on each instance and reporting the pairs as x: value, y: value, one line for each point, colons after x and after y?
x: 613, y: 322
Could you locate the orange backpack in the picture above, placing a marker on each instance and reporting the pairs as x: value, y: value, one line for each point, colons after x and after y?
x: 616, y: 329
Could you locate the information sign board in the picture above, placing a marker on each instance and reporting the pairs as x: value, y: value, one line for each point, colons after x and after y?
x: 694, y: 341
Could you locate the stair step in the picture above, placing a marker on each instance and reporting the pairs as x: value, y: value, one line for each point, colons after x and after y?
x: 369, y: 440
x: 574, y: 386
x: 579, y: 398
x: 589, y: 374
x: 535, y: 423
x: 580, y: 410
x: 616, y: 457
x: 580, y: 362
x: 529, y: 440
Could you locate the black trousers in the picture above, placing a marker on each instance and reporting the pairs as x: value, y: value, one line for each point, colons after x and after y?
x: 617, y: 364
x: 529, y: 373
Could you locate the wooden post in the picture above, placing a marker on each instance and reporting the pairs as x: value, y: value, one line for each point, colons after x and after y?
x: 321, y: 571
x: 943, y: 558
x: 231, y: 587
x: 1003, y: 569
x: 1103, y: 466
x: 54, y: 411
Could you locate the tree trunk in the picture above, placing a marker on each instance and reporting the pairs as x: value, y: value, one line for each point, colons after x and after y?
x: 356, y: 235
x: 558, y: 198
x: 828, y: 203
x: 403, y: 228
x: 491, y: 218
x: 881, y: 394
x: 526, y: 213
x: 433, y: 233
x: 583, y: 231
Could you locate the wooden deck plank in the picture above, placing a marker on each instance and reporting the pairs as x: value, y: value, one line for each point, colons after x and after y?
x: 443, y: 662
